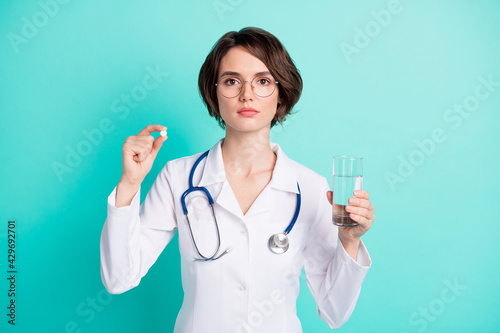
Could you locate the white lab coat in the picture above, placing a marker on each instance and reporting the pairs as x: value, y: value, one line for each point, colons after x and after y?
x: 250, y: 289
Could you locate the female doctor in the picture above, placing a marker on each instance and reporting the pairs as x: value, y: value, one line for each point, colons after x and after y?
x: 233, y: 279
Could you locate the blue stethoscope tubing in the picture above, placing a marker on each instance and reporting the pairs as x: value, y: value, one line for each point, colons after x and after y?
x: 277, y: 243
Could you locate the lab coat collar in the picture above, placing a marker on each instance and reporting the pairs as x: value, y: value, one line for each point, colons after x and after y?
x: 284, y: 176
x: 214, y: 171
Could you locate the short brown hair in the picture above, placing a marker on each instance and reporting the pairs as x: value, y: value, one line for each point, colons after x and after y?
x: 268, y: 49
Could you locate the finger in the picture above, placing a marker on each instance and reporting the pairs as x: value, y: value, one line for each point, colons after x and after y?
x: 140, y: 152
x: 329, y: 196
x: 362, y: 194
x: 152, y: 128
x: 141, y: 156
x: 360, y: 211
x: 363, y: 221
x: 361, y: 203
x: 157, y: 145
x: 137, y: 147
x: 143, y: 140
x: 139, y: 139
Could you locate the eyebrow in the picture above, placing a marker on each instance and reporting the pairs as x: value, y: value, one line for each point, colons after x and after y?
x: 229, y: 73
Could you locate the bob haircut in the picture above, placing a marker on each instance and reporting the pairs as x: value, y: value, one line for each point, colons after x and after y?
x: 268, y: 49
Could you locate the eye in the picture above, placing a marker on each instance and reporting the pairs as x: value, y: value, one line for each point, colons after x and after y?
x: 263, y: 81
x: 231, y: 82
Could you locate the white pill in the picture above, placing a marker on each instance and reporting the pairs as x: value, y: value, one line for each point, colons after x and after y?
x: 163, y: 133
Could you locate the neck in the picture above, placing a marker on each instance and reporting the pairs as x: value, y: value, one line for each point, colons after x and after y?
x: 246, y: 154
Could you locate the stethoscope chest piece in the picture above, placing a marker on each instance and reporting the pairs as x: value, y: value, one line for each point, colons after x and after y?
x: 278, y: 243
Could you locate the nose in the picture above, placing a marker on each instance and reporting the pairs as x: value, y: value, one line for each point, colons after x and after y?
x: 246, y: 91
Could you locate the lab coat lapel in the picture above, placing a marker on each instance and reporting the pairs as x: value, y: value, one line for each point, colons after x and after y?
x: 285, y: 174
x: 214, y: 178
x: 213, y: 171
x: 228, y: 200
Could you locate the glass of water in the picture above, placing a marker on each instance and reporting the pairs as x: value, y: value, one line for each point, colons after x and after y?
x: 347, y: 178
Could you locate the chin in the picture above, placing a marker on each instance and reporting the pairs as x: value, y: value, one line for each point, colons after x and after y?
x: 246, y: 128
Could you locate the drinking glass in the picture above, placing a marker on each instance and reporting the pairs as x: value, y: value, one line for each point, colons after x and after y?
x: 347, y: 178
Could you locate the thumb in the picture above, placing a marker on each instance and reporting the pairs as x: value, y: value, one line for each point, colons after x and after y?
x: 157, y: 145
x: 329, y: 196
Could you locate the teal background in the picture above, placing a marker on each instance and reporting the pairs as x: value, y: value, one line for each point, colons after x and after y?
x: 439, y: 224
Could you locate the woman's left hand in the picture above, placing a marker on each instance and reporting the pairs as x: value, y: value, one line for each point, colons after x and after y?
x: 361, y: 210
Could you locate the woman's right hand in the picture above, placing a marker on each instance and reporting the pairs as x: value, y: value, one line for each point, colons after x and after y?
x: 138, y: 154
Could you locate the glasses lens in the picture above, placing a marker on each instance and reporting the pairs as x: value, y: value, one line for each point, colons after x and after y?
x: 229, y: 87
x: 263, y: 86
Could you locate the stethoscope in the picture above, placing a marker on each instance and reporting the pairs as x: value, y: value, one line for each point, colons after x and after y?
x: 277, y: 243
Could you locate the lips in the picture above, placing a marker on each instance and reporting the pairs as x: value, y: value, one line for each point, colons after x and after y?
x: 247, y: 112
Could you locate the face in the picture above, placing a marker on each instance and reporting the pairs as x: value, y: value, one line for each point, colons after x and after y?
x: 239, y: 65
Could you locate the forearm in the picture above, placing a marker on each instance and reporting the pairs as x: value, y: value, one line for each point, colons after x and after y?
x: 341, y: 283
x: 120, y: 246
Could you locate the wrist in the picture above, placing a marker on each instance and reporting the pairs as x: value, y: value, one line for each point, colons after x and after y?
x: 126, y: 184
x: 348, y: 239
x: 350, y: 243
x: 125, y: 193
x: 128, y: 187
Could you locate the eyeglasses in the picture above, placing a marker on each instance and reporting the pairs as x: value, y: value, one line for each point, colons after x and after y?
x: 231, y: 87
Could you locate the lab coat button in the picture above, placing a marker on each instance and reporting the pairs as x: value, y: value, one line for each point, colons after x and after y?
x: 241, y: 287
x: 242, y: 231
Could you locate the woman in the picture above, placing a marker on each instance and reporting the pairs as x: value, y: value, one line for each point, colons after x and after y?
x: 249, y: 84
